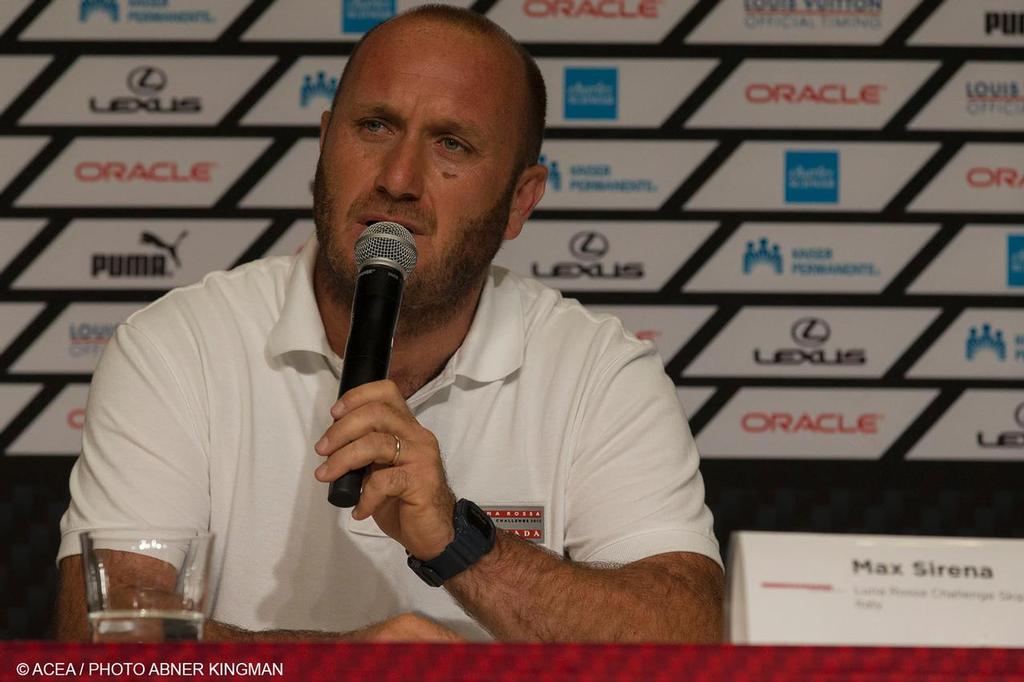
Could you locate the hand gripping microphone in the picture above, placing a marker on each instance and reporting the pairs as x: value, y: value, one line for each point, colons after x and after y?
x: 385, y: 255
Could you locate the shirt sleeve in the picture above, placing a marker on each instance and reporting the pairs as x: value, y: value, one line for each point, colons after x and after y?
x: 635, y: 489
x: 143, y: 461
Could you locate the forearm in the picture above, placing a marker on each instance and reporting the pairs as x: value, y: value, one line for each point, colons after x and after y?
x: 520, y: 591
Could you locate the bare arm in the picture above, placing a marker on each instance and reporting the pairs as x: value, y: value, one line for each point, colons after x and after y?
x: 72, y: 622
x: 522, y: 592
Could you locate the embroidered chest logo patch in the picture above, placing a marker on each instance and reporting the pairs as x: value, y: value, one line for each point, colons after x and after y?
x: 526, y: 521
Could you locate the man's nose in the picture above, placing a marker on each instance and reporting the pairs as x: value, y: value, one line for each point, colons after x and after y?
x: 401, y: 172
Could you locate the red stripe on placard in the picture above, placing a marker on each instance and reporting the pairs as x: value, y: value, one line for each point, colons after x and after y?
x: 816, y: 587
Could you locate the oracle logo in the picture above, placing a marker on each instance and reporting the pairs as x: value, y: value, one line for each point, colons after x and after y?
x: 832, y: 423
x: 981, y: 176
x: 601, y: 9
x: 158, y: 171
x: 827, y: 93
x: 76, y: 418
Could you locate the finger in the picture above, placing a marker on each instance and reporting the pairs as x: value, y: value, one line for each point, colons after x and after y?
x: 372, y: 417
x: 384, y: 391
x: 373, y: 448
x: 378, y: 488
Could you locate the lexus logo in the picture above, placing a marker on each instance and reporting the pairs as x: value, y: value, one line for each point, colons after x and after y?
x: 1019, y: 415
x: 588, y: 245
x: 810, y: 331
x: 147, y: 80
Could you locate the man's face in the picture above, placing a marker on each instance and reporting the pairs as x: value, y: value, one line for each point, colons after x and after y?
x: 425, y: 133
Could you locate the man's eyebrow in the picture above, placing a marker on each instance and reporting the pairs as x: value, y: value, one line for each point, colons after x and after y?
x: 460, y: 128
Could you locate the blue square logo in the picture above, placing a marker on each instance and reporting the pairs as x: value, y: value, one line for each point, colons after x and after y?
x: 812, y: 177
x: 591, y: 94
x: 359, y: 16
x: 1015, y: 260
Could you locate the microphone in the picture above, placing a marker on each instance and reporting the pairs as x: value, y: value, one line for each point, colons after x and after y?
x: 385, y: 255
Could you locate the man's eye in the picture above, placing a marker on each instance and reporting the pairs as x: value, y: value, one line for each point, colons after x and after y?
x: 451, y: 144
x: 373, y: 126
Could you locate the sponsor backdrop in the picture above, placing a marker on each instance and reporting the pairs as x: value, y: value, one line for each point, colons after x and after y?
x: 813, y: 208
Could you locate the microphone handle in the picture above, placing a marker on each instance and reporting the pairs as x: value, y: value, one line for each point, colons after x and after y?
x: 375, y: 307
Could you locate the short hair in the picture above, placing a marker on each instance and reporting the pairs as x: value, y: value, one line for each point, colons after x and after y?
x: 536, y: 93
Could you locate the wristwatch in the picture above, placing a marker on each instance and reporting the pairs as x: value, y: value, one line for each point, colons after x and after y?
x: 474, y: 537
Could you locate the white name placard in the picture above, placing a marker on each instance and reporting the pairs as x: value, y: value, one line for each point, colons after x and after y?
x: 809, y: 588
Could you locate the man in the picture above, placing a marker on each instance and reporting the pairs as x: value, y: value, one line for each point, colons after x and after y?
x: 206, y: 406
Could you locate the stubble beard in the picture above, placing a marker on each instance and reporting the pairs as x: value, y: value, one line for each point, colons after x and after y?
x: 433, y: 293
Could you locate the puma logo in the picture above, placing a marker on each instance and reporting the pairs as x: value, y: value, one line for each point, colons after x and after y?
x: 172, y: 249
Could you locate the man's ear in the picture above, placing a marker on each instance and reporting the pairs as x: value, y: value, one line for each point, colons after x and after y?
x: 325, y: 123
x: 529, y: 191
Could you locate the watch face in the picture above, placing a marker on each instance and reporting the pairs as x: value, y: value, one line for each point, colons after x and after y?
x: 478, y: 519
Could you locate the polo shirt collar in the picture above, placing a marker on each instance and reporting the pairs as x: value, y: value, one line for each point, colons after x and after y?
x: 492, y: 349
x: 299, y: 327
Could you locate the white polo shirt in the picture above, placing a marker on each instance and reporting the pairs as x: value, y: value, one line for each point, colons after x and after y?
x: 205, y: 407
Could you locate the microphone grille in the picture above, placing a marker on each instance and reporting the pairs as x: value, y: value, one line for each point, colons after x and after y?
x: 386, y: 243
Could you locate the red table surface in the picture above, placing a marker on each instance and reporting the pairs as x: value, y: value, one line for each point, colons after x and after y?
x: 371, y: 662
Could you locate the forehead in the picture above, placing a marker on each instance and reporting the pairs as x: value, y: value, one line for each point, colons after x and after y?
x: 418, y: 62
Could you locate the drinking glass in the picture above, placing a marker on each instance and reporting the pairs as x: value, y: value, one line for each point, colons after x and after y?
x: 147, y: 585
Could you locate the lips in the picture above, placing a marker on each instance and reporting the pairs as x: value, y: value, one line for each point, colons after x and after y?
x: 368, y: 220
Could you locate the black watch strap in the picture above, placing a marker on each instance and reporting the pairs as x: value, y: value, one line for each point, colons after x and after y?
x: 474, y: 537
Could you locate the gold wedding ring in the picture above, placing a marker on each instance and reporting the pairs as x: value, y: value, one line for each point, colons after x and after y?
x: 398, y: 450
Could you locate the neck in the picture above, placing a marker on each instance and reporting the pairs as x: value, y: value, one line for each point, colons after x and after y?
x: 417, y: 356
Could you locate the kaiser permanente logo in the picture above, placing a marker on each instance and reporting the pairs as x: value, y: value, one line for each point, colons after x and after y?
x: 591, y: 94
x: 1015, y: 260
x: 317, y: 85
x: 141, y: 12
x: 812, y: 177
x: 805, y: 261
x: 593, y: 178
x: 813, y: 14
x: 359, y: 16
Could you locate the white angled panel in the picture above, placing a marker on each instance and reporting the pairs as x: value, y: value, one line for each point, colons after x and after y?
x: 981, y: 259
x: 812, y: 176
x: 983, y: 343
x: 811, y: 423
x: 9, y: 11
x: 138, y: 254
x: 134, y: 20
x: 811, y: 342
x: 147, y: 90
x: 13, y: 399
x: 982, y: 425
x: 982, y: 177
x: 812, y: 93
x: 586, y: 21
x: 617, y: 174
x: 668, y: 327
x: 789, y: 22
x: 289, y: 184
x: 58, y: 428
x: 978, y: 23
x: 603, y: 255
x: 612, y: 93
x: 811, y: 257
x: 15, y: 73
x: 16, y: 152
x: 329, y: 20
x: 14, y: 235
x: 980, y: 96
x: 300, y: 95
x: 72, y: 344
x: 143, y: 171
x: 293, y: 239
x: 14, y: 317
